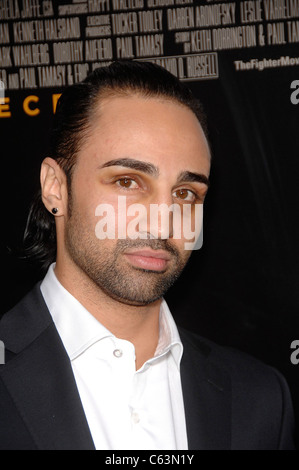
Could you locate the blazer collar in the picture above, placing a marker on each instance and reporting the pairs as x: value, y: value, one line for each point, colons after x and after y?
x: 40, y: 378
x: 207, y: 397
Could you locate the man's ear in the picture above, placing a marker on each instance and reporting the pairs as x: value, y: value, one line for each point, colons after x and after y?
x: 53, y: 186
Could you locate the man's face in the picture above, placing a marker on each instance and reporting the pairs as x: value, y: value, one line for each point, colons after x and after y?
x: 152, y: 152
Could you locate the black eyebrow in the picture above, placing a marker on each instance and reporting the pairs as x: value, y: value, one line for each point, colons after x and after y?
x: 150, y: 169
x: 190, y: 177
x: 145, y: 167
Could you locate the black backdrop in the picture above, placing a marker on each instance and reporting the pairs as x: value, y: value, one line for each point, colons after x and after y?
x: 241, y: 288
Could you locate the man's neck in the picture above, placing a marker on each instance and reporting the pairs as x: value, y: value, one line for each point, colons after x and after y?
x: 134, y: 323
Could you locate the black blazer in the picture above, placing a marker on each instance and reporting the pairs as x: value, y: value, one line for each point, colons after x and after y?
x: 232, y: 401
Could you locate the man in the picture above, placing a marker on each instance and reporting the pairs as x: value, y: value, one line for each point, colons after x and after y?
x: 94, y: 359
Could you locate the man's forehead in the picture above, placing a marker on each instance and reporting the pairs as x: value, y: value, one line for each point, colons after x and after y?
x: 156, y: 142
x: 113, y: 104
x: 121, y: 112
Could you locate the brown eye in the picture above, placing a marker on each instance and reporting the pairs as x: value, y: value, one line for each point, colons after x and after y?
x: 182, y: 193
x: 185, y: 195
x: 127, y: 183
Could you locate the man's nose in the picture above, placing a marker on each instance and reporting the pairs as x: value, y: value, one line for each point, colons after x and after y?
x: 161, y: 214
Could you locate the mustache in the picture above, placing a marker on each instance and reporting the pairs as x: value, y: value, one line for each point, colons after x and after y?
x: 154, y: 244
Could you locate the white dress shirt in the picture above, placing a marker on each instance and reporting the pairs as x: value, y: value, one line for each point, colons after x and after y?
x: 125, y: 409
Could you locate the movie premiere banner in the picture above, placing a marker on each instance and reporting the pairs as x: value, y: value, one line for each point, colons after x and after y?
x: 242, y: 60
x: 52, y: 44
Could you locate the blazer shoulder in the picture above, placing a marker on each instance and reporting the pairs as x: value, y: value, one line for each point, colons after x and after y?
x: 241, y: 366
x: 25, y: 321
x: 260, y: 394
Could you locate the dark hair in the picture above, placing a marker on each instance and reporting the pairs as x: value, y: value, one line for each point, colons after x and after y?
x: 72, y: 123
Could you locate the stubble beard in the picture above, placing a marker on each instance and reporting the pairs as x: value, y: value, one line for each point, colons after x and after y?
x: 104, y: 264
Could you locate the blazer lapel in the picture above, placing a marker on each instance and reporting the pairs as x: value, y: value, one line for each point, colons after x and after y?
x: 41, y: 383
x: 207, y: 398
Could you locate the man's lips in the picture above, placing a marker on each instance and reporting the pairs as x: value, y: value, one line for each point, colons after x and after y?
x: 153, y: 260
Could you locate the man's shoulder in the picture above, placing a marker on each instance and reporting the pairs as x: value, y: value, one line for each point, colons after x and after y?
x: 256, y: 393
x: 25, y: 321
x: 239, y: 365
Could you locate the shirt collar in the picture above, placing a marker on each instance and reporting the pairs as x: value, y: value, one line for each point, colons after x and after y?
x: 79, y: 329
x: 169, y: 339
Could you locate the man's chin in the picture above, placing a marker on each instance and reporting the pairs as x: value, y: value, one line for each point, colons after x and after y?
x: 145, y: 289
x: 137, y: 302
x: 136, y: 298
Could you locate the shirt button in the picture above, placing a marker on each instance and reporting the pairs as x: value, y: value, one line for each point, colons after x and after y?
x: 117, y: 353
x: 135, y: 417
